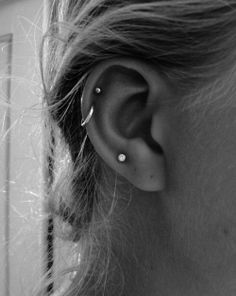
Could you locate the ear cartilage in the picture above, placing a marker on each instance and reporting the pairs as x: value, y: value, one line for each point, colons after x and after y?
x: 89, y: 116
x: 98, y: 90
x: 122, y: 157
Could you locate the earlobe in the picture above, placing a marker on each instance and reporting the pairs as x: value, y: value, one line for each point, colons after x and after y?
x: 119, y: 101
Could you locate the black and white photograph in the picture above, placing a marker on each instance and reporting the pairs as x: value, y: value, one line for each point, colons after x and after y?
x: 118, y: 147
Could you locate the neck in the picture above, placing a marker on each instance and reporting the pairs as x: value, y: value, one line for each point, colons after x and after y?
x: 150, y: 265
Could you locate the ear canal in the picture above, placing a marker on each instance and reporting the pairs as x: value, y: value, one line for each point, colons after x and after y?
x: 135, y: 105
x: 126, y: 92
x: 140, y: 125
x: 134, y: 116
x: 147, y: 136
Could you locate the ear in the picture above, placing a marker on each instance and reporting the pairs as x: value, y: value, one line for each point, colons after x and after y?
x: 127, y: 119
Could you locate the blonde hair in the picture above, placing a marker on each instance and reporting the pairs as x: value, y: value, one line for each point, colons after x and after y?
x: 191, y: 41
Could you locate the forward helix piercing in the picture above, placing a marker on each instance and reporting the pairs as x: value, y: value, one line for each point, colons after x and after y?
x: 85, y: 121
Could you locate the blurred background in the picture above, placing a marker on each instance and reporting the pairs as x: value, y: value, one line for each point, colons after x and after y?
x: 22, y: 230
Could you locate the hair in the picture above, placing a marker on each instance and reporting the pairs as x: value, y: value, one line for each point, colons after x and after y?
x: 191, y: 41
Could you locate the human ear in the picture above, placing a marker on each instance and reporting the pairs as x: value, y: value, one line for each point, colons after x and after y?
x: 125, y: 96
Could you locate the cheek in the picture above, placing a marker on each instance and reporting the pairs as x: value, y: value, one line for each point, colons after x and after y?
x: 201, y: 196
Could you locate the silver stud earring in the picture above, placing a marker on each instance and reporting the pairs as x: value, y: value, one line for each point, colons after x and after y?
x: 98, y: 90
x: 122, y: 157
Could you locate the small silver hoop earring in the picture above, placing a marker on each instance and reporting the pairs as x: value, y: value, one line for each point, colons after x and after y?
x: 122, y: 157
x: 89, y: 116
x: 85, y: 121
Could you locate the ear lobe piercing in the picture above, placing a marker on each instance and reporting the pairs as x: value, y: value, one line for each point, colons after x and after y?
x: 122, y: 157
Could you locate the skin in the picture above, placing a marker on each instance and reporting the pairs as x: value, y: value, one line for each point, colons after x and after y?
x: 182, y: 240
x: 174, y: 227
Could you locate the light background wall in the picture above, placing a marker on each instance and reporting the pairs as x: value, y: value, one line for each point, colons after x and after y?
x: 23, y: 18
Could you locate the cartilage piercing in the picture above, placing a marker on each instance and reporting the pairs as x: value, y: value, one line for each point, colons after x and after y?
x: 122, y: 157
x: 89, y: 116
x: 98, y: 90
